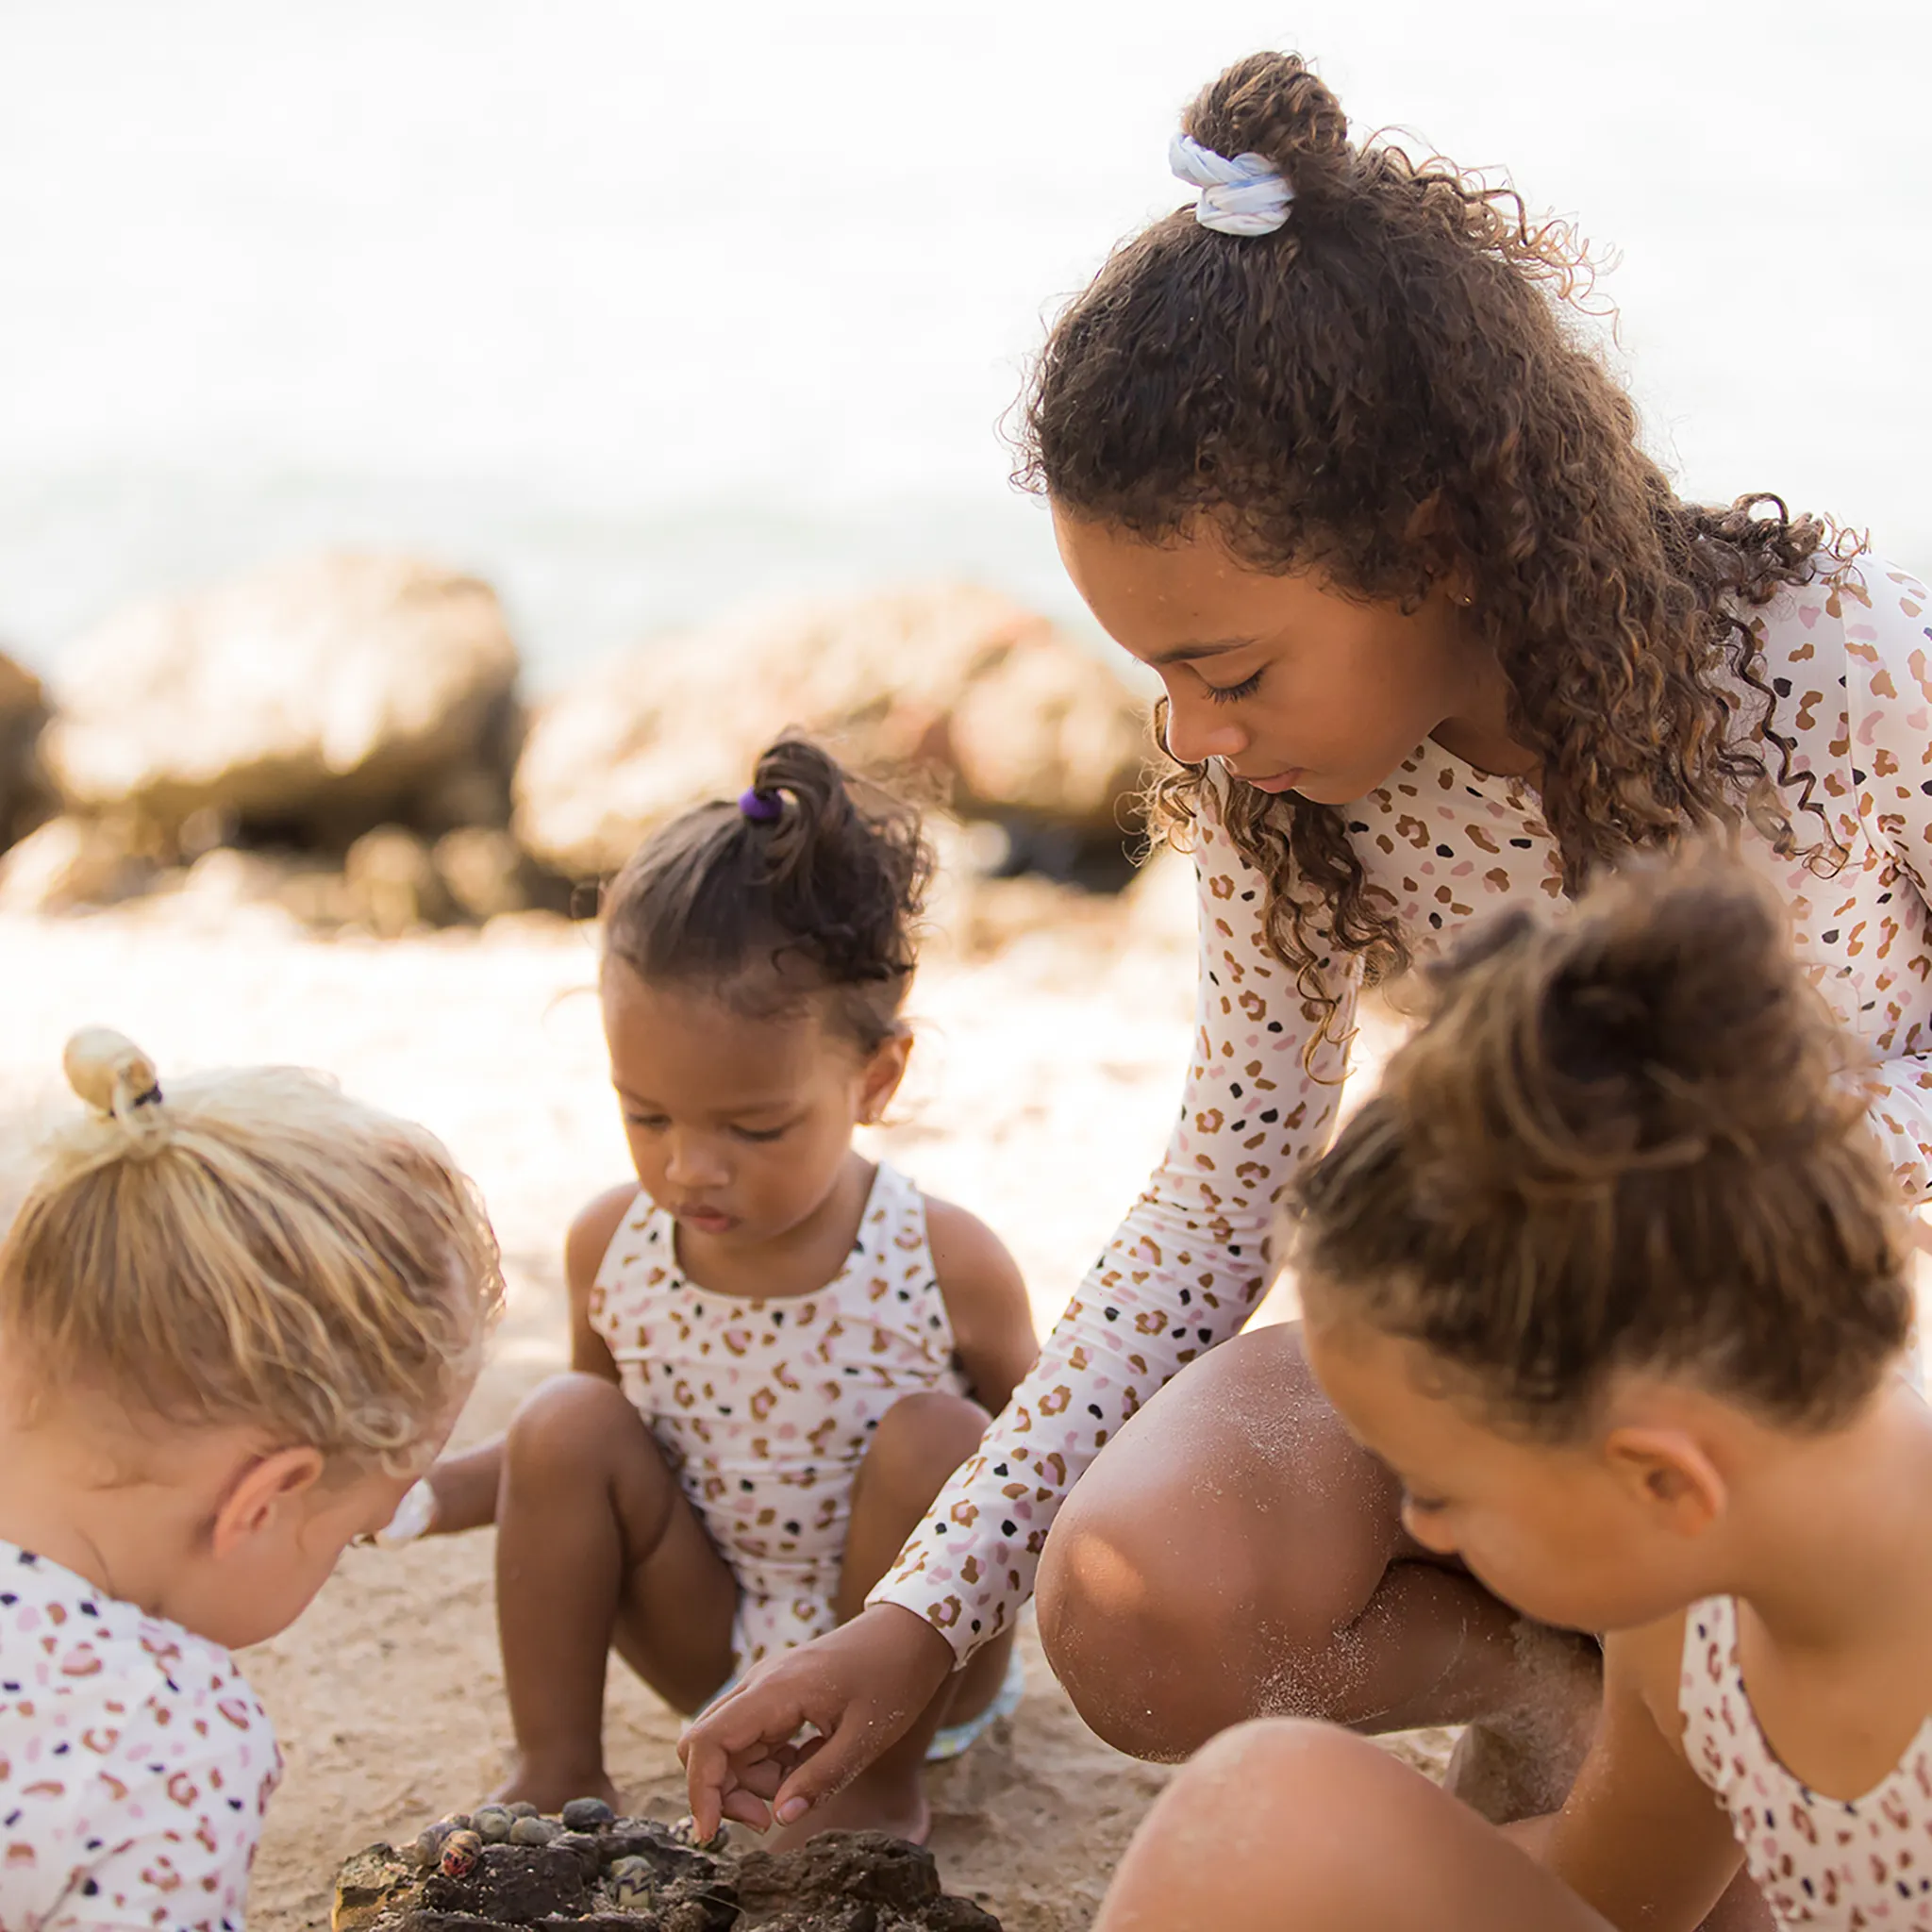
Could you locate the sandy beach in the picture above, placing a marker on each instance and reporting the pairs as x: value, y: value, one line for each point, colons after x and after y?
x: 1043, y: 1080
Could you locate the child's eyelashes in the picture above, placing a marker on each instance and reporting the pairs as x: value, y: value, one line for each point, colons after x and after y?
x: 657, y: 1123
x: 1423, y: 1505
x: 1232, y: 693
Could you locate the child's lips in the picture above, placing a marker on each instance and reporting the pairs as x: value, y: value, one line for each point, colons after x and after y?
x: 705, y: 1219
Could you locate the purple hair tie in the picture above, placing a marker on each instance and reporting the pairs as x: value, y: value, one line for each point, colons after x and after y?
x: 762, y: 807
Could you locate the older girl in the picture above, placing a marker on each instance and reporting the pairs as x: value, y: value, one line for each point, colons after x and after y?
x: 1328, y: 451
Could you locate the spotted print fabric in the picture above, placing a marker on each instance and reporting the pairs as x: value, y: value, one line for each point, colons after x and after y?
x: 135, y: 1763
x: 765, y: 1407
x: 1819, y: 1861
x: 1848, y: 658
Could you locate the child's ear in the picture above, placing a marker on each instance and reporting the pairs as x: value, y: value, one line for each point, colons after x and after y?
x: 1667, y: 1472
x: 883, y: 1074
x: 265, y: 1489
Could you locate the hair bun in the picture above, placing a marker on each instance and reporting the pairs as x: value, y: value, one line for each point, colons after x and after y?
x: 110, y: 1072
x: 1272, y: 105
x: 1661, y: 1020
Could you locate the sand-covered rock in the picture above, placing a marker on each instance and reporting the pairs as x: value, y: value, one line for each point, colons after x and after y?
x: 1019, y: 719
x: 22, y: 712
x: 316, y: 699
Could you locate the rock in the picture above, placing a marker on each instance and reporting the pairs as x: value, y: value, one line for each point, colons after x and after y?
x: 482, y: 873
x: 1022, y: 721
x: 314, y: 700
x: 23, y: 797
x: 392, y: 884
x: 70, y: 862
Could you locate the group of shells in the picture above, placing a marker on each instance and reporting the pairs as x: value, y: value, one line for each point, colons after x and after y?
x: 452, y: 1845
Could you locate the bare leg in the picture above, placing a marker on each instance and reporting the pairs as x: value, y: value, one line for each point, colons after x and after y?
x: 1282, y: 1824
x: 919, y: 1442
x: 596, y: 1547
x: 1233, y: 1554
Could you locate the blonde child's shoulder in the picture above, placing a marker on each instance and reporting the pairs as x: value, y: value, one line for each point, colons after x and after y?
x: 123, y: 1738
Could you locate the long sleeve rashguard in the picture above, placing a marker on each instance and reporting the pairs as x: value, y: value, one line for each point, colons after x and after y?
x: 1848, y: 658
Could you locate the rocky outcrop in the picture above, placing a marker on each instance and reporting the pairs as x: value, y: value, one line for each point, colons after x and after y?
x: 22, y: 785
x: 313, y: 701
x: 1022, y: 724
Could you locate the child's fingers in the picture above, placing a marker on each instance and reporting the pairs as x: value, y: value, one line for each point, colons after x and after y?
x: 742, y: 1808
x: 826, y: 1764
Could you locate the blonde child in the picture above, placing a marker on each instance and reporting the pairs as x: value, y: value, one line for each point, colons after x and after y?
x: 237, y: 1319
x: 781, y: 1349
x: 1612, y: 1274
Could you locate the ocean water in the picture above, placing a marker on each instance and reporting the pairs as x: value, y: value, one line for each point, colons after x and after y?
x: 641, y: 309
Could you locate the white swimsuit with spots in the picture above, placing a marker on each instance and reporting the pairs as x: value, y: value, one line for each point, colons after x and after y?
x: 1848, y: 657
x: 1819, y: 1861
x: 135, y: 1763
x: 765, y: 1409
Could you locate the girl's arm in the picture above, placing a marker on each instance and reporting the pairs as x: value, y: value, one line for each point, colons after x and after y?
x: 986, y: 1302
x: 465, y: 1486
x: 1183, y: 1271
x: 1886, y: 616
x: 1643, y: 1837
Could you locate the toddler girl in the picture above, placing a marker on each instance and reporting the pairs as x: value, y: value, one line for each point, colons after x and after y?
x: 780, y: 1350
x: 1612, y: 1274
x: 237, y: 1321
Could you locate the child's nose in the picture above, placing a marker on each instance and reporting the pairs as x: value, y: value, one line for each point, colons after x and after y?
x: 1196, y: 734
x: 696, y: 1161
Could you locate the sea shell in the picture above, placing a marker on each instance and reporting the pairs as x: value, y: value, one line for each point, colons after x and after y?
x: 631, y: 1883
x: 534, y: 1831
x: 685, y: 1833
x: 493, y: 1823
x: 427, y: 1848
x: 460, y: 1851
x: 587, y: 1814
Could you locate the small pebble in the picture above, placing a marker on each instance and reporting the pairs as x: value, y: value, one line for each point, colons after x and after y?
x: 460, y: 1851
x: 493, y: 1823
x: 534, y: 1831
x: 522, y: 1809
x: 587, y: 1814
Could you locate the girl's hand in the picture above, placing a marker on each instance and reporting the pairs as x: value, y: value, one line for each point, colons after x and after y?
x: 859, y: 1687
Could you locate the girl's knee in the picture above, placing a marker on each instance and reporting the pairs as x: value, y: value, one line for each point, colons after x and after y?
x: 569, y: 1424
x: 922, y: 1439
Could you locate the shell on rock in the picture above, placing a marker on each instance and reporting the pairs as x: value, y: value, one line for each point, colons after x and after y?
x: 587, y: 1814
x: 534, y: 1830
x: 427, y: 1847
x: 493, y: 1823
x: 631, y: 1884
x: 522, y: 1809
x: 685, y: 1832
x: 460, y: 1851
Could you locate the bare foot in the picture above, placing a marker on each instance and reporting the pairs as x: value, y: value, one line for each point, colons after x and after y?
x: 550, y: 1788
x: 895, y: 1804
x: 1521, y: 1763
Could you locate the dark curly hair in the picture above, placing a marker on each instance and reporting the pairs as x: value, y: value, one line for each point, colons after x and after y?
x: 821, y: 891
x: 1403, y: 355
x: 1624, y: 1138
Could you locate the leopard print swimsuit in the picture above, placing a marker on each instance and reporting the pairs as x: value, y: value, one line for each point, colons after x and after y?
x: 1836, y: 1864
x: 1847, y: 656
x: 765, y: 1409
